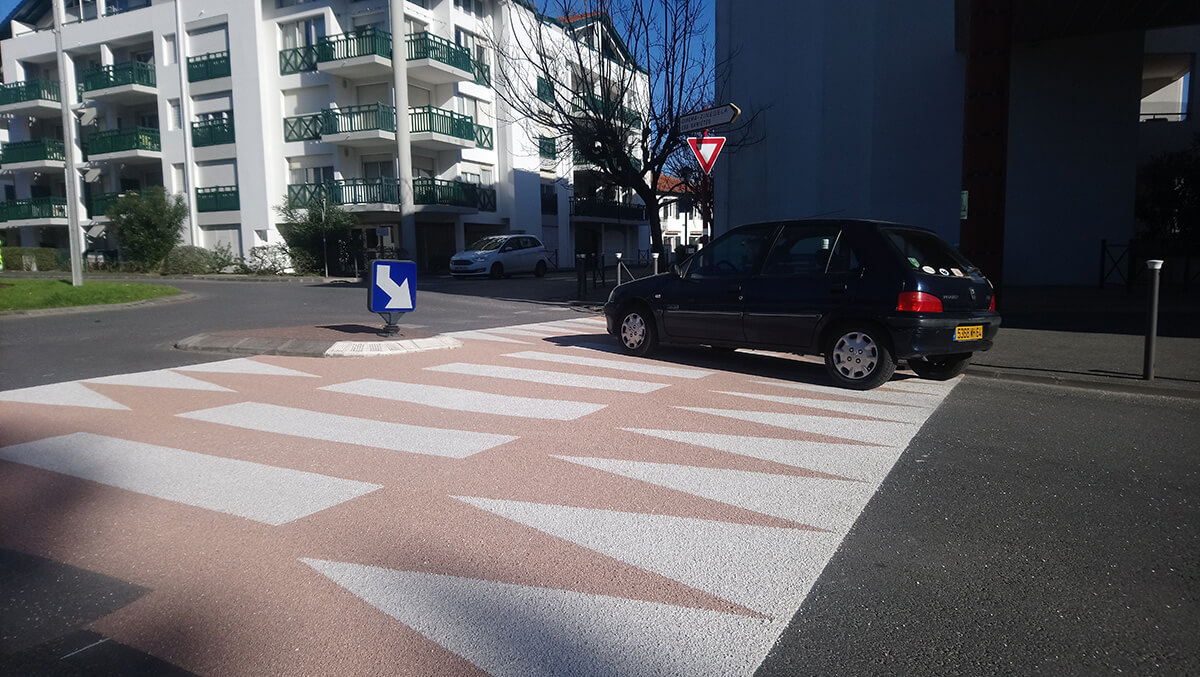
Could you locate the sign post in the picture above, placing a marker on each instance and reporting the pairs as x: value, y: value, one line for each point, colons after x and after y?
x: 392, y: 290
x: 709, y: 117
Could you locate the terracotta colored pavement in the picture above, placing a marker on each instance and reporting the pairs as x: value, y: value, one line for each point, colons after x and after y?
x: 530, y: 503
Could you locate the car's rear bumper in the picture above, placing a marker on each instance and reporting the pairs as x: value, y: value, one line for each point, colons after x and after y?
x: 923, y: 335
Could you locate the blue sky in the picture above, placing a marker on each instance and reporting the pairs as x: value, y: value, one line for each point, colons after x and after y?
x: 6, y: 7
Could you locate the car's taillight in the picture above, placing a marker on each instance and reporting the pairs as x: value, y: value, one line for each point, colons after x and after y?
x: 919, y: 302
x: 992, y: 304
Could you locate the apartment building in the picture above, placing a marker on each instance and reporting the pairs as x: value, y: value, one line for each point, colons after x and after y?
x: 242, y: 105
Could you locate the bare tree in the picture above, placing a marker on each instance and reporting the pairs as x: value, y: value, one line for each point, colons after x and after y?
x: 604, y: 82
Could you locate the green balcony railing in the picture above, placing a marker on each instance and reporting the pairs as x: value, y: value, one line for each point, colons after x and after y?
x: 298, y: 60
x: 34, y: 208
x: 484, y: 137
x: 212, y: 132
x: 487, y: 199
x: 383, y: 190
x: 302, y: 127
x: 369, y: 117
x: 217, y: 199
x: 441, y: 121
x: 32, y: 151
x: 366, y: 42
x: 441, y: 192
x: 545, y: 90
x: 483, y: 73
x: 120, y: 140
x: 606, y: 108
x: 208, y: 66
x: 426, y: 45
x: 547, y: 148
x: 606, y: 209
x: 117, y: 75
x: 29, y: 90
x: 99, y: 204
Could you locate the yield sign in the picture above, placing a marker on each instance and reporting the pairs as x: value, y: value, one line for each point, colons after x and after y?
x: 706, y: 150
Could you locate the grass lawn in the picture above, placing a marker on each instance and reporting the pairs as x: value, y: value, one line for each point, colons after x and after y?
x: 34, y: 294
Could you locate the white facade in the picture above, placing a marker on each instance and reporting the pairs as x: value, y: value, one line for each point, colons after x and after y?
x: 307, y: 103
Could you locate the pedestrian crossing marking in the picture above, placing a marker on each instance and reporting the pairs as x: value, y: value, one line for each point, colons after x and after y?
x: 895, y: 398
x: 243, y: 365
x: 467, y: 400
x: 618, y: 365
x: 484, y: 336
x: 163, y: 378
x: 549, y: 377
x: 886, y: 433
x: 364, y: 432
x: 70, y: 394
x: 875, y: 410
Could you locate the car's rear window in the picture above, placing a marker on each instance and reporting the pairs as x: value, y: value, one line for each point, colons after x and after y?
x: 928, y: 252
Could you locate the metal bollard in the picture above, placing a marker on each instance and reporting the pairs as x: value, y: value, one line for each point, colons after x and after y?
x: 655, y: 256
x: 581, y: 275
x: 618, y: 268
x: 1154, y: 265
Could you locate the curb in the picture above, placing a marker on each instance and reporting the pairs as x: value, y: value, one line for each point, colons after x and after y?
x: 1131, y: 388
x: 69, y: 310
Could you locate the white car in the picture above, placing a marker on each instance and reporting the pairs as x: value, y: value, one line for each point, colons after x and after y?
x: 500, y: 256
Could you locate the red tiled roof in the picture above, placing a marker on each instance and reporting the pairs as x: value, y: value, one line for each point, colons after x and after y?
x: 572, y: 18
x: 670, y: 184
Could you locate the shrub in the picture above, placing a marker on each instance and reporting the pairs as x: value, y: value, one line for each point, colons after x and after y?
x: 189, y: 260
x: 314, y: 231
x: 44, y: 257
x: 271, y: 259
x: 224, y: 260
x: 148, y: 224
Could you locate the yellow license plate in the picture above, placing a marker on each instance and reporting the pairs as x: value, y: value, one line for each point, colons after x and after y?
x: 972, y: 332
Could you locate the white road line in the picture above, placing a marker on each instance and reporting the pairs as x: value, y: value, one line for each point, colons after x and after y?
x: 244, y: 365
x: 162, y: 378
x: 921, y: 387
x: 906, y: 399
x: 71, y: 394
x: 316, y: 425
x: 510, y: 630
x: 866, y: 463
x: 619, y: 365
x: 823, y: 503
x: 887, y: 433
x: 767, y: 569
x: 254, y: 491
x: 886, y: 411
x: 467, y: 400
x: 483, y: 336
x: 513, y: 331
x: 549, y: 377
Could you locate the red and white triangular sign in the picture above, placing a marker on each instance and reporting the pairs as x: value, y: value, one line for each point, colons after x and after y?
x: 706, y: 150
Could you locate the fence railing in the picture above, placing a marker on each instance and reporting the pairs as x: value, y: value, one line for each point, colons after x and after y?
x: 99, y: 204
x: 119, y: 140
x: 32, y: 151
x: 366, y: 42
x: 298, y: 60
x: 426, y: 45
x: 34, y: 208
x: 483, y: 73
x: 484, y: 137
x: 208, y: 66
x: 441, y: 121
x: 606, y: 209
x: 428, y: 191
x: 487, y: 199
x: 217, y: 199
x: 213, y: 132
x: 369, y: 117
x: 117, y: 75
x: 30, y: 90
x: 383, y: 190
x: 302, y: 127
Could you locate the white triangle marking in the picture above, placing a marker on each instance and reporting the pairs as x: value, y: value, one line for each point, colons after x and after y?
x: 887, y: 433
x: 914, y: 399
x: 767, y: 569
x: 71, y: 394
x: 832, y: 505
x: 523, y: 631
x: 883, y: 411
x: 243, y: 365
x: 484, y: 336
x: 159, y: 379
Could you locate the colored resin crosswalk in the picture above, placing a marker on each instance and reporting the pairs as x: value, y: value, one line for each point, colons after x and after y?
x: 531, y: 502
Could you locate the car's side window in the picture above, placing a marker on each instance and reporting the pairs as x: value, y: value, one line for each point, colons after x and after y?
x: 739, y: 253
x: 801, y: 250
x: 843, y: 259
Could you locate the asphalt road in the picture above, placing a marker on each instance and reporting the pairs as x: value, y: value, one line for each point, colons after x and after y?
x: 1026, y: 529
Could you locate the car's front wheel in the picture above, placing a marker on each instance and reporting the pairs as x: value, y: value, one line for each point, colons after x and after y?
x: 940, y: 367
x: 540, y: 269
x: 858, y: 357
x: 496, y: 272
x: 636, y: 331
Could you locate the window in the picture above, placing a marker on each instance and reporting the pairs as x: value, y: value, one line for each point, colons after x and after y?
x: 379, y: 170
x: 1166, y: 82
x: 737, y: 255
x: 218, y: 115
x: 485, y: 177
x: 470, y: 6
x: 170, y: 50
x: 303, y: 33
x: 470, y: 177
x: 312, y: 175
x: 176, y: 114
x: 801, y: 250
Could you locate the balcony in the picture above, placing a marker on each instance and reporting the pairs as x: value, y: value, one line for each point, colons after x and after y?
x: 127, y: 82
x: 217, y: 199
x: 38, y: 211
x: 445, y: 196
x: 32, y: 155
x: 212, y: 132
x: 298, y: 60
x: 37, y: 98
x: 602, y: 107
x: 208, y: 66
x: 606, y: 209
x: 487, y: 199
x: 356, y: 195
x: 484, y: 137
x: 547, y: 148
x: 364, y: 53
x: 302, y: 128
x: 483, y: 73
x: 100, y: 204
x: 439, y: 129
x: 438, y: 61
x: 140, y: 144
x: 361, y: 126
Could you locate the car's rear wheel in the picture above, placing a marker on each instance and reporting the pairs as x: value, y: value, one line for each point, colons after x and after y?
x: 940, y: 367
x: 496, y: 272
x: 540, y: 269
x: 858, y: 357
x: 636, y: 331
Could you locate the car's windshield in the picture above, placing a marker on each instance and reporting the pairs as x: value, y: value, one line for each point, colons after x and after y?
x: 487, y: 244
x: 922, y: 250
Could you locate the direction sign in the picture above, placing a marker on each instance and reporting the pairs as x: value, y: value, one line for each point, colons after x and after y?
x: 393, y: 287
x: 711, y: 117
x: 706, y: 150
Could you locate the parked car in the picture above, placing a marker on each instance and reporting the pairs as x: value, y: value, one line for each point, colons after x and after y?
x: 862, y: 293
x: 500, y: 256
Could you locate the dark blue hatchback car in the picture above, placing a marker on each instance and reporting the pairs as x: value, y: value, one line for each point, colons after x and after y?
x: 862, y: 293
